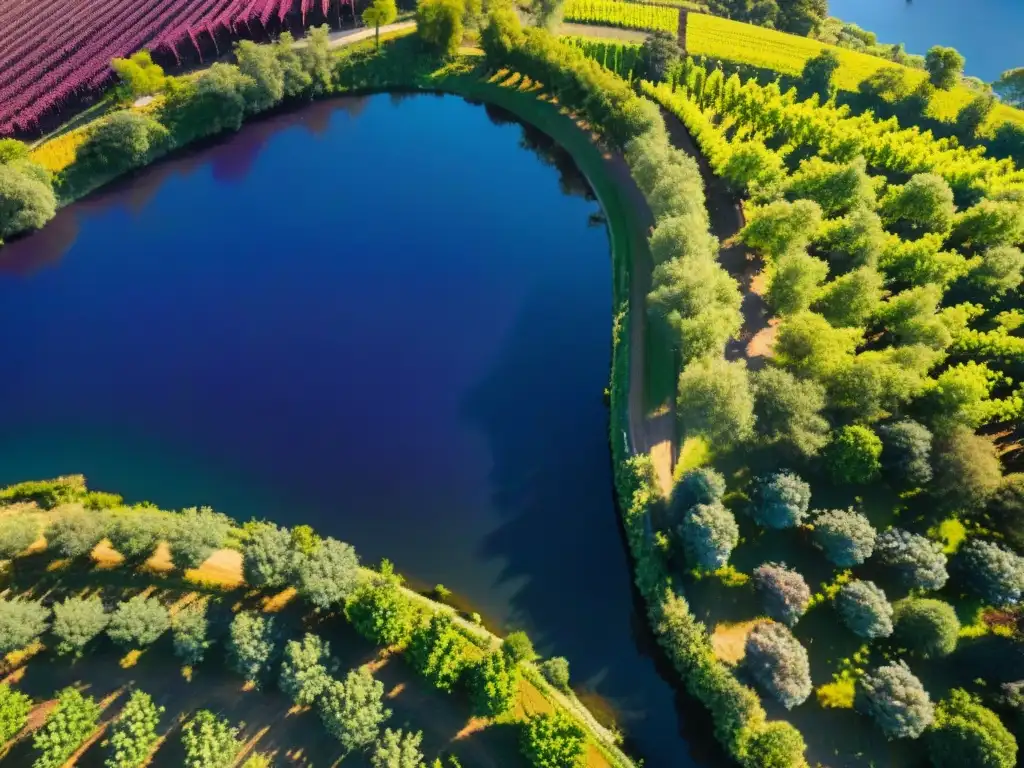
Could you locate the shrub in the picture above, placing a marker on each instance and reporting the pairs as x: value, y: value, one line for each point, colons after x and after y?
x: 123, y: 141
x: 196, y: 534
x: 553, y: 741
x: 896, y: 700
x: 788, y: 411
x: 69, y: 724
x: 136, y: 534
x: 397, y: 749
x: 21, y: 623
x: 379, y: 611
x: 556, y: 672
x: 209, y: 741
x: 190, y: 628
x: 783, y: 592
x: 709, y: 534
x: 268, y: 559
x: 353, y: 710
x: 517, y: 647
x: 865, y: 609
x: 133, y: 734
x: 261, y: 64
x: 919, y: 561
x: 781, y: 501
x: 966, y: 733
x: 18, y: 533
x: 76, y: 621
x: 75, y: 534
x: 439, y: 24
x: 846, y: 537
x: 929, y: 628
x: 698, y: 486
x: 494, y: 683
x: 906, y: 453
x: 992, y: 572
x: 211, y: 103
x: 777, y: 745
x: 253, y: 645
x: 328, y: 575
x: 777, y: 661
x: 138, y: 622
x: 968, y: 471
x: 12, y: 150
x: 14, y: 710
x: 714, y: 400
x: 26, y: 202
x: 306, y: 669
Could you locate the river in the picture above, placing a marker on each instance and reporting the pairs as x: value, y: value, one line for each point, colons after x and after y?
x: 385, y: 317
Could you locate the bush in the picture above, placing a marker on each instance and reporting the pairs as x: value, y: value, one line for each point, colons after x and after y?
x: 69, y: 724
x: 133, y: 734
x: 76, y: 621
x: 379, y: 611
x: 135, y: 534
x: 123, y: 141
x: 715, y: 401
x: 896, y: 700
x: 396, y: 749
x: 777, y: 661
x: 906, y: 453
x: 782, y: 227
x: 556, y: 672
x: 306, y: 669
x: 709, y: 534
x: 196, y: 534
x: 21, y: 623
x: 865, y: 609
x: 777, y: 745
x: 353, y: 711
x: 968, y: 471
x: 698, y: 486
x: 439, y: 24
x: 26, y: 202
x: 209, y: 741
x: 328, y: 575
x: 47, y: 494
x: 438, y: 652
x: 846, y: 537
x: 75, y: 534
x: 992, y: 572
x: 853, y: 455
x: 253, y: 645
x: 138, y: 622
x: 261, y: 64
x: 211, y: 103
x: 18, y: 533
x: 12, y: 150
x: 554, y: 741
x: 783, y: 592
x: 190, y: 628
x: 14, y: 710
x: 494, y: 683
x: 923, y: 204
x: 919, y: 561
x: 928, y: 628
x: 788, y: 411
x: 517, y: 647
x: 268, y: 559
x: 966, y: 733
x: 781, y: 501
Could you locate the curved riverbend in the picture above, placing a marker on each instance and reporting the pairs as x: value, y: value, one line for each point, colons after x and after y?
x: 405, y: 345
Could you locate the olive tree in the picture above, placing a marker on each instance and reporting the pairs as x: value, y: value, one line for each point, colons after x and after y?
x: 75, y: 534
x: 328, y: 575
x: 851, y: 300
x: 554, y: 740
x: 268, y: 558
x: 923, y: 204
x: 919, y: 561
x: 709, y: 534
x: 994, y: 573
x: 21, y: 623
x: 134, y: 733
x: 795, y: 281
x: 209, y: 741
x: 135, y: 534
x: 195, y: 535
x: 864, y: 609
x: 927, y: 627
x: 190, y: 630
x: 18, y: 533
x: 253, y: 645
x: 779, y: 663
x: 846, y: 537
x: 353, y: 711
x: 306, y: 669
x: 966, y: 733
x: 76, y: 621
x: 781, y: 500
x: 906, y: 453
x: 838, y: 188
x: 67, y: 726
x: 782, y: 226
x: 895, y: 699
x: 397, y: 749
x: 788, y: 411
x: 138, y: 622
x: 783, y: 591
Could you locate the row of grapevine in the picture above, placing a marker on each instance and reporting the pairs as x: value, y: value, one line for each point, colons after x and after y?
x: 613, y: 13
x: 621, y: 58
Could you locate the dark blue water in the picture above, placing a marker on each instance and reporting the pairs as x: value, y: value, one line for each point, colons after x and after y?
x: 385, y: 318
x: 989, y: 33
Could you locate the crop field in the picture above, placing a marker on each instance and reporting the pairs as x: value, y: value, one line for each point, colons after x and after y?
x: 626, y: 15
x: 56, y: 51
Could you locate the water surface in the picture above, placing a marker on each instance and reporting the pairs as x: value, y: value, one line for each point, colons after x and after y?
x: 383, y: 317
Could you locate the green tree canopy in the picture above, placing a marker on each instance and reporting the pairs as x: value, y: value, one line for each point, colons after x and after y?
x: 494, y: 683
x: 138, y: 622
x: 817, y: 74
x: 896, y: 700
x: 715, y: 401
x: 927, y: 627
x: 69, y: 724
x: 209, y: 741
x: 378, y: 609
x: 328, y: 575
x: 123, y: 141
x: 253, y: 645
x: 966, y: 733
x: 944, y: 65
x: 788, y: 411
x: 14, y: 710
x: 306, y: 669
x: 26, y: 201
x: 76, y: 621
x: 864, y: 609
x: 139, y: 76
x: 21, y: 623
x: 853, y: 455
x: 353, y: 710
x: 378, y: 14
x: 134, y: 732
x: 1010, y: 87
x: 439, y: 24
x: 554, y: 741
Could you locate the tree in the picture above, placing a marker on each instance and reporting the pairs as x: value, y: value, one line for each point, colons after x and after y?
x: 1010, y: 87
x: 328, y: 575
x: 317, y: 60
x: 556, y: 672
x: 853, y: 455
x: 76, y: 621
x: 779, y: 663
x: 133, y: 734
x: 944, y: 65
x: 852, y: 299
x: 864, y: 609
x: 659, y: 53
x: 135, y: 534
x: 782, y: 226
x: 139, y: 76
x: 378, y: 609
x: 703, y: 485
x: 818, y: 72
x: 547, y: 14
x: 296, y: 79
x: 353, y: 710
x: 989, y: 224
x: 268, y: 558
x: 927, y: 627
x: 196, y: 534
x: 919, y: 562
x: 214, y: 102
x: 123, y: 141
x: 1000, y: 270
x: 911, y: 316
x: 925, y: 203
x: 857, y: 240
x: 261, y: 64
x: 781, y: 500
x: 709, y: 534
x: 714, y: 400
x: 994, y: 573
x: 1006, y: 507
x: 675, y: 237
x: 846, y: 537
x: 966, y: 733
x: 788, y: 411
x: 26, y: 202
x: 15, y: 707
x: 190, y: 628
x: 967, y: 470
x: 777, y: 745
x: 838, y: 188
x: 209, y: 741
x: 802, y: 17
x: 796, y: 279
x: 69, y: 724
x: 783, y: 592
x: 554, y: 741
x: 810, y: 347
x: 397, y: 749
x: 494, y: 682
x: 960, y: 395
x: 306, y: 669
x: 138, y: 622
x: 380, y: 13
x: 18, y: 533
x: 21, y: 623
x: 75, y: 534
x: 439, y: 24
x: 896, y: 700
x: 253, y: 645
x: 906, y: 453
x: 518, y: 647
x: 973, y: 115
x: 12, y: 150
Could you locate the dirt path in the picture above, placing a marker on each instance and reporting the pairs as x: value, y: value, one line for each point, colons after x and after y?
x: 597, y: 30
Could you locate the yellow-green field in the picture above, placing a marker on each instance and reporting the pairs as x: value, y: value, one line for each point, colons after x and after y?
x: 626, y: 15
